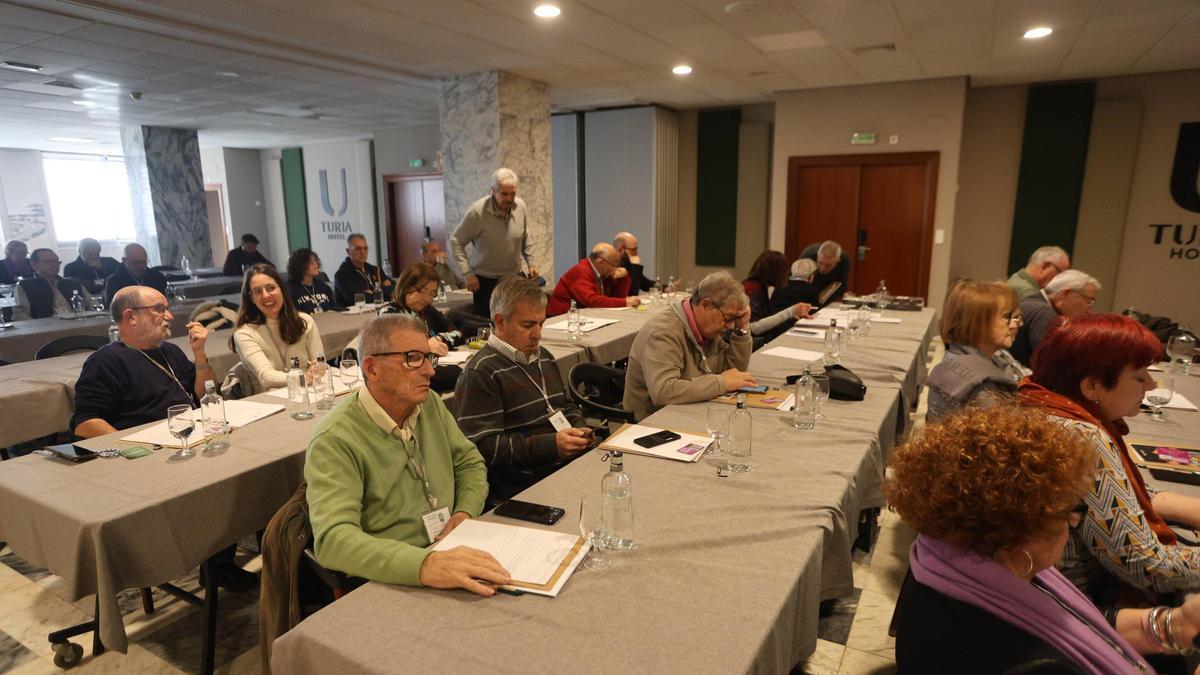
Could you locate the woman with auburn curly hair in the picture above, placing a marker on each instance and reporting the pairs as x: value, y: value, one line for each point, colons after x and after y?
x: 1089, y: 374
x: 992, y: 493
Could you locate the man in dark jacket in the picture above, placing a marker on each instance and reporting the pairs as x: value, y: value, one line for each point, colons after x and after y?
x: 133, y: 272
x: 244, y: 256
x: 799, y: 287
x: 631, y: 263
x: 833, y: 270
x: 47, y: 294
x: 90, y: 267
x: 356, y: 275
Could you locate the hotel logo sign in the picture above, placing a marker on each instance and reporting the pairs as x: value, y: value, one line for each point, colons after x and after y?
x: 1185, y: 190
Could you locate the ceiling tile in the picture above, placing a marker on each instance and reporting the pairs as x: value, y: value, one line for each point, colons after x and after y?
x: 13, y: 15
x: 23, y: 36
x: 101, y: 52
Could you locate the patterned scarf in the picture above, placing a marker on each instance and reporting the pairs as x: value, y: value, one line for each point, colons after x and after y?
x: 1035, y: 395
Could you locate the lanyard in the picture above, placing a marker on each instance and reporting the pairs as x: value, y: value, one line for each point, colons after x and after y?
x: 417, y: 462
x: 540, y: 387
x: 168, y: 371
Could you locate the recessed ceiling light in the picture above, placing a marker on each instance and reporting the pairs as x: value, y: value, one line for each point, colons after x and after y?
x: 85, y: 104
x: 547, y: 11
x: 681, y: 69
x: 1038, y: 32
x: 69, y: 139
x: 227, y: 73
x: 23, y: 67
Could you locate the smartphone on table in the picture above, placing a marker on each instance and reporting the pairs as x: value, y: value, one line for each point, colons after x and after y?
x: 657, y: 438
x: 534, y: 513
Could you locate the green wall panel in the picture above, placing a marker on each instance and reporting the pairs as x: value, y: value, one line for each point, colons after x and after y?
x: 1058, y: 119
x: 295, y: 201
x: 716, y: 187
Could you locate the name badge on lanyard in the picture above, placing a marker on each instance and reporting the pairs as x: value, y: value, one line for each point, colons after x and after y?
x: 559, y: 421
x: 434, y: 522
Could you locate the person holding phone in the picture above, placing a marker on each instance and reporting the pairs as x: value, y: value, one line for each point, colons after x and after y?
x: 511, y: 400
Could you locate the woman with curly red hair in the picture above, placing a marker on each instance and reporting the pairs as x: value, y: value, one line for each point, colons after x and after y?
x: 992, y: 493
x: 1090, y: 374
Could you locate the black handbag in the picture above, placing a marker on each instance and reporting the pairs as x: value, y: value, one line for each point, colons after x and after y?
x: 844, y: 385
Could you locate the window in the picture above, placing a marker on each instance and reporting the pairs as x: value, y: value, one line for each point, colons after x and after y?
x: 89, y: 197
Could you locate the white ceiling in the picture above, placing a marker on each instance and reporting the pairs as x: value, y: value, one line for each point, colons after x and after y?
x: 364, y: 65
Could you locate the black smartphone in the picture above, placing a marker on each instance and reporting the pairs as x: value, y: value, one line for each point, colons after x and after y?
x: 72, y: 452
x: 760, y: 389
x: 534, y: 513
x: 657, y: 438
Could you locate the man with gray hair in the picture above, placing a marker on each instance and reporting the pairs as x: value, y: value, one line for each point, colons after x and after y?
x: 1068, y: 295
x: 691, y: 351
x: 90, y: 267
x: 593, y: 283
x: 389, y: 472
x: 432, y: 255
x: 497, y: 230
x: 799, y: 287
x: 134, y: 271
x: 1044, y: 264
x: 511, y: 399
x: 833, y: 270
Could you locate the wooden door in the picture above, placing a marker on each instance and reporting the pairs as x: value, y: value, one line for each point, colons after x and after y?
x: 415, y: 211
x: 879, y: 207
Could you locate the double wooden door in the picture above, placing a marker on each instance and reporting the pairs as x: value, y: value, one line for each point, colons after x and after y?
x: 416, y: 210
x: 878, y: 207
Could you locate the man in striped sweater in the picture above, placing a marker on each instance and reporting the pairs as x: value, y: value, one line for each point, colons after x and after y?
x: 511, y: 401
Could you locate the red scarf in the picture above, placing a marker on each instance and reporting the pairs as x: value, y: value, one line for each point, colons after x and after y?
x: 1035, y: 395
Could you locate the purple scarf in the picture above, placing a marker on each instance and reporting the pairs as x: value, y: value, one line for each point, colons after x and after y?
x: 988, y: 585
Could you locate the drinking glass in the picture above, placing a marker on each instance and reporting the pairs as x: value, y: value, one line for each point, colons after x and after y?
x: 8, y: 299
x: 821, y: 380
x: 98, y: 303
x: 349, y: 373
x: 717, y: 423
x: 1163, y: 392
x: 589, y: 529
x: 864, y: 318
x: 360, y: 299
x: 804, y: 416
x: 689, y: 288
x: 482, y: 336
x: 181, y: 423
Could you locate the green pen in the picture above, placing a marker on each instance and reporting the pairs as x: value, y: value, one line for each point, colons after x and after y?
x: 510, y: 591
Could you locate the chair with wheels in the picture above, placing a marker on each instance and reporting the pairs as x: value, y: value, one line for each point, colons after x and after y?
x: 69, y: 344
x: 598, y: 389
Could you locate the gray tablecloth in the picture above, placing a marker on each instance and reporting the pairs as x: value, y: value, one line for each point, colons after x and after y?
x: 727, y: 575
x: 607, y: 344
x: 1180, y: 427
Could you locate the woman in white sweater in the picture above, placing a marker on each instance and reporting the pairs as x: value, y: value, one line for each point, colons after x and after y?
x: 270, y: 331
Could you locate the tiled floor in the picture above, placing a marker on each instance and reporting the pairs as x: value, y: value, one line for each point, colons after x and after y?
x: 852, y: 634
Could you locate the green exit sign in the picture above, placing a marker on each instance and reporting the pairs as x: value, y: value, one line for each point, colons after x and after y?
x: 416, y: 163
x: 862, y: 139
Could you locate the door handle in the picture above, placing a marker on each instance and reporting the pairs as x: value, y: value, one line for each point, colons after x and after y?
x: 862, y: 252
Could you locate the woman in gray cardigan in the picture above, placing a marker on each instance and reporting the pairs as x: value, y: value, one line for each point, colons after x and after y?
x: 977, y: 321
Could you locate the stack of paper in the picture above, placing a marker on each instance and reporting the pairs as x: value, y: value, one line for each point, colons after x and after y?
x: 1177, y: 402
x: 589, y: 324
x: 539, y: 561
x: 237, y: 413
x: 688, y: 448
x: 793, y: 353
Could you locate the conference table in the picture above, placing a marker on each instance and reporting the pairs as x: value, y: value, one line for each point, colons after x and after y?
x: 727, y: 573
x: 1179, y: 427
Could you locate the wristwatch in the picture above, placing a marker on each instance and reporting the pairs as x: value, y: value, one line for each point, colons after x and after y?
x: 740, y: 332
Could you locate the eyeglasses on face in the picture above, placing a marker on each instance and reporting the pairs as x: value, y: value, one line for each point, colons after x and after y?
x: 413, y: 358
x: 364, y: 249
x: 160, y: 308
x: 1011, y: 317
x: 265, y: 289
x: 1090, y: 299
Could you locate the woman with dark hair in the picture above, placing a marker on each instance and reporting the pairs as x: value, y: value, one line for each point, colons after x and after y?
x: 270, y: 331
x: 770, y: 270
x: 1089, y: 374
x: 415, y: 290
x: 994, y: 494
x: 309, y: 291
x: 977, y: 325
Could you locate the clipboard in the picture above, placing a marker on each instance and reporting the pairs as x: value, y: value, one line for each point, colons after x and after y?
x: 757, y: 400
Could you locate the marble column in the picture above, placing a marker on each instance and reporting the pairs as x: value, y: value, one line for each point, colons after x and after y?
x: 492, y: 119
x: 166, y: 181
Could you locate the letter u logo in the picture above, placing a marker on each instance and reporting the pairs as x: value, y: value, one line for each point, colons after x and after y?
x: 1186, y: 171
x: 326, y: 203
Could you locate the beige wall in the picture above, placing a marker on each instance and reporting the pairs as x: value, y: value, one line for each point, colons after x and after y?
x: 927, y: 115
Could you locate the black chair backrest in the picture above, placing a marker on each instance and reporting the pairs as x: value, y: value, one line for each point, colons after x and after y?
x: 231, y: 289
x: 598, y: 389
x: 165, y: 268
x: 69, y: 344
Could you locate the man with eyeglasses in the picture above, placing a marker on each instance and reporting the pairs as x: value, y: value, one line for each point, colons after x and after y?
x: 1067, y: 296
x: 133, y: 271
x: 1044, y: 264
x: 356, y: 275
x: 47, y: 293
x: 592, y: 283
x: 692, y: 351
x: 389, y: 472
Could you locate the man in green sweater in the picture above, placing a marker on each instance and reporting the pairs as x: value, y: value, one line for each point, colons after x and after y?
x: 388, y: 466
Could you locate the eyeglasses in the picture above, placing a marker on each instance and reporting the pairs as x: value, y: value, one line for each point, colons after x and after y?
x: 1090, y: 299
x: 264, y: 290
x: 413, y: 358
x: 1011, y: 317
x: 729, y: 318
x: 425, y: 291
x: 359, y: 248
x: 157, y: 309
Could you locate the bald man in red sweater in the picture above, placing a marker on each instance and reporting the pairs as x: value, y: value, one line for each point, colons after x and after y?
x: 591, y: 284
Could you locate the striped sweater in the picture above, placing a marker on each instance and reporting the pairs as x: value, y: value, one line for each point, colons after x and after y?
x: 502, y: 412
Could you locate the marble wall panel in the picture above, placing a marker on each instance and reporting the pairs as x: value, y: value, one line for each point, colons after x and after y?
x: 177, y: 192
x: 470, y: 127
x: 134, y: 147
x: 524, y: 110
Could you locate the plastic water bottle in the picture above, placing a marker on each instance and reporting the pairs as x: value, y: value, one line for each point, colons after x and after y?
x: 77, y: 304
x: 186, y: 267
x: 114, y: 333
x: 574, y: 324
x: 322, y: 383
x: 882, y: 297
x: 216, y: 424
x: 833, y: 344
x: 616, y: 505
x: 301, y: 408
x: 441, y: 294
x: 738, y: 446
x: 804, y: 416
x: 1181, y: 349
